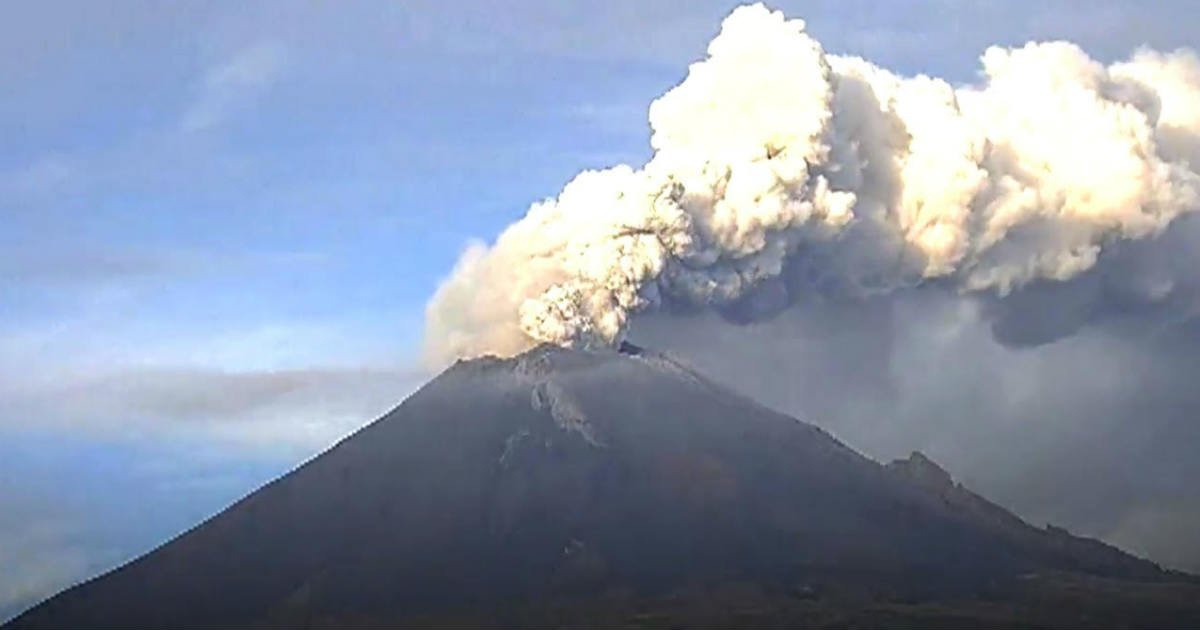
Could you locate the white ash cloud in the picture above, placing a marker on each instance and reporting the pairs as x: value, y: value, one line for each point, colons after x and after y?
x: 779, y: 169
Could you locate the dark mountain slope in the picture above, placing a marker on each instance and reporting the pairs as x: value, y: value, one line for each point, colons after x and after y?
x: 618, y: 489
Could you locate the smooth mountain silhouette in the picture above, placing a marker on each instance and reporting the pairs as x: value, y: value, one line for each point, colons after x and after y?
x: 619, y: 489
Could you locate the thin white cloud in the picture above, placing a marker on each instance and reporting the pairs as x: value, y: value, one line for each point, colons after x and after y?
x: 289, y: 388
x: 232, y: 84
x: 288, y: 411
x: 76, y: 263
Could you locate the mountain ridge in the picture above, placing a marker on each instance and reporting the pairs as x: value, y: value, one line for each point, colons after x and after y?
x: 527, y: 490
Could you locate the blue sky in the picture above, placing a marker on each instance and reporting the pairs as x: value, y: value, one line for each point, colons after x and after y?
x: 219, y: 222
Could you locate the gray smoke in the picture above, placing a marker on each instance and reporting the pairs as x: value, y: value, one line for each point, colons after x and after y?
x: 1094, y: 430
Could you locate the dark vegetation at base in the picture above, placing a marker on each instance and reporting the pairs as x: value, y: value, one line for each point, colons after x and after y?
x: 1050, y: 601
x: 615, y: 489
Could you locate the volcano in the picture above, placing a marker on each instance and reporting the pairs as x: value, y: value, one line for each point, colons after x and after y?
x: 614, y: 488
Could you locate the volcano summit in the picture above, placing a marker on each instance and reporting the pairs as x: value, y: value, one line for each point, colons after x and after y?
x: 614, y: 488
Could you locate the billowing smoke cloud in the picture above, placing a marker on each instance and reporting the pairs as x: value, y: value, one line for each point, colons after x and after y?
x: 780, y: 171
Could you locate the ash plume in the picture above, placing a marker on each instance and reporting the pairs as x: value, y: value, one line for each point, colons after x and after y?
x: 780, y: 170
